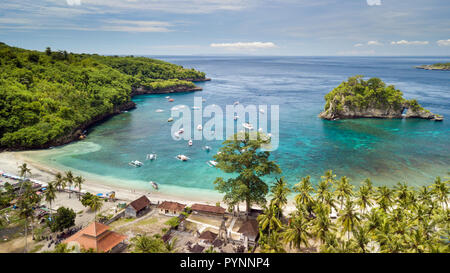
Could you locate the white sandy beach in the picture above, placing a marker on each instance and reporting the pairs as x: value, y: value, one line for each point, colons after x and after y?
x: 10, y: 161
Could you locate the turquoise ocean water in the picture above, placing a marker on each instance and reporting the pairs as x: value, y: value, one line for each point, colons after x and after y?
x: 387, y: 151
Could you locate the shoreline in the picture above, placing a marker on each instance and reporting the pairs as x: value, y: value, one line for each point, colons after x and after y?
x: 82, y: 130
x: 9, y: 162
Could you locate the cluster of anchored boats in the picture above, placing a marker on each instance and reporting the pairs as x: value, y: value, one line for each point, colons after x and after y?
x: 181, y: 157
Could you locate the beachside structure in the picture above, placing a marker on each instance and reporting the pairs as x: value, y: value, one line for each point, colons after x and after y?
x: 138, y: 207
x: 207, y: 237
x: 249, y: 231
x: 170, y: 208
x: 207, y: 210
x: 98, y: 237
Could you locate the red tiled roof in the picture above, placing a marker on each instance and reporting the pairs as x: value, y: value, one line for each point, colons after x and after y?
x: 173, y: 206
x: 96, y: 236
x: 249, y: 228
x: 208, y: 235
x: 207, y: 208
x: 140, y: 203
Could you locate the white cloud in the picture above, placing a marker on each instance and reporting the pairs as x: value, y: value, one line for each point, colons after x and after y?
x: 374, y: 2
x: 73, y: 2
x: 443, y: 42
x: 242, y: 45
x: 404, y: 42
x: 374, y: 43
x: 358, y: 45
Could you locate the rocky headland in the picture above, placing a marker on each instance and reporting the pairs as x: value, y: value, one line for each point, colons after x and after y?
x: 358, y: 98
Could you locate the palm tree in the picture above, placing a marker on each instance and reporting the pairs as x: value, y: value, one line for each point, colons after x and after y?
x: 147, y: 244
x: 59, y: 181
x: 50, y: 196
x: 23, y: 171
x: 329, y: 177
x: 360, y: 234
x: 297, y: 232
x: 384, y: 197
x: 304, y: 189
x: 322, y: 224
x: 322, y: 190
x: 26, y: 202
x: 269, y: 220
x: 368, y: 184
x: 279, y: 192
x: 69, y: 178
x: 96, y: 204
x: 78, y: 181
x: 440, y: 191
x: 363, y: 198
x: 348, y: 218
x: 344, y: 190
x: 425, y: 196
x: 273, y: 245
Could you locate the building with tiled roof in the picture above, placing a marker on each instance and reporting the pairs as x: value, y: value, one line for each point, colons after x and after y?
x: 249, y: 231
x: 137, y: 207
x: 98, y: 237
x: 171, y: 208
x: 208, y: 210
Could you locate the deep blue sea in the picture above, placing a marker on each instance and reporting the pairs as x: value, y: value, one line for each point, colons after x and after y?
x: 387, y: 151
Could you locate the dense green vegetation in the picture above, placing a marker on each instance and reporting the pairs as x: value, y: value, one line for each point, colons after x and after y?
x: 334, y: 217
x: 357, y: 93
x: 46, y: 95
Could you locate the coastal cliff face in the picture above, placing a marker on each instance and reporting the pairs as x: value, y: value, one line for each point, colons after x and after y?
x: 371, y: 99
x: 174, y: 89
x: 79, y: 132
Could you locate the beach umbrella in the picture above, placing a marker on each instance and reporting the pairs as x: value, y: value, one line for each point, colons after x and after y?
x: 100, y: 194
x: 43, y: 189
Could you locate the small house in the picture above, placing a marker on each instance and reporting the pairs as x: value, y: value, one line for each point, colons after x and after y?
x: 137, y: 207
x: 249, y: 231
x: 170, y: 208
x: 98, y: 237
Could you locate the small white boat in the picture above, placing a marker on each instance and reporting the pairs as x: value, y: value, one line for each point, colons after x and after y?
x: 261, y: 111
x: 195, y: 108
x: 190, y: 142
x: 136, y: 163
x: 235, y: 117
x: 151, y: 156
x: 182, y: 157
x: 168, y: 97
x: 199, y: 127
x: 155, y: 186
x: 212, y: 163
x: 207, y: 148
x: 247, y: 126
x: 170, y: 119
x: 159, y: 110
x: 181, y: 131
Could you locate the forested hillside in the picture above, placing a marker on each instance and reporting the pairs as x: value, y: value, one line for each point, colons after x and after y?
x: 45, y: 96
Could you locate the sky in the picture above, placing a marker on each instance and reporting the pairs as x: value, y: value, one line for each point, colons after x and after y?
x: 230, y: 27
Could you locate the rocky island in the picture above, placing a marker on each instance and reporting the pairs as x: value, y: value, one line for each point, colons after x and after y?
x: 51, y: 98
x: 437, y: 66
x: 358, y: 98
